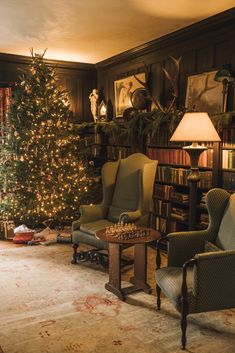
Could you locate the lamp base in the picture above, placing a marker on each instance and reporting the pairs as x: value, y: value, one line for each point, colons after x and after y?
x: 194, y: 152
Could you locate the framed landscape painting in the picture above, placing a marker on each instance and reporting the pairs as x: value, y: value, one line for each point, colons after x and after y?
x: 123, y: 89
x: 204, y: 93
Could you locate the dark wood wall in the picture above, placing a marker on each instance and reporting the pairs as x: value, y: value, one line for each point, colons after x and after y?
x: 77, y: 78
x: 204, y: 46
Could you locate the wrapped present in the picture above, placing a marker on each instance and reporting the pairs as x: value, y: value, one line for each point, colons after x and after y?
x: 7, y: 229
x: 23, y: 234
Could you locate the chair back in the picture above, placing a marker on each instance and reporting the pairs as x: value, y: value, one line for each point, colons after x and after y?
x: 226, y: 235
x: 134, y: 185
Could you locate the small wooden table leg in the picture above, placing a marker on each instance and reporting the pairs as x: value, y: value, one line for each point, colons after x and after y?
x: 140, y: 269
x: 114, y: 284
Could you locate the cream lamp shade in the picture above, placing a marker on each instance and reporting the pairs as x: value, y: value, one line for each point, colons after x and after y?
x: 195, y: 127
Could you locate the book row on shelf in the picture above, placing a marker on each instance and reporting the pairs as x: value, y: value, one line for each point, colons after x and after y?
x: 228, y: 159
x: 162, y: 138
x: 228, y: 137
x: 228, y: 180
x: 171, y: 210
x: 204, y: 220
x: 112, y: 153
x: 179, y: 156
x: 179, y: 214
x: 164, y: 226
x: 172, y: 175
x: 117, y: 152
x: 169, y: 193
x: 203, y: 200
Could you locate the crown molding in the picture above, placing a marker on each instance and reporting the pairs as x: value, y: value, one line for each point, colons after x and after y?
x: 210, y: 24
x: 27, y: 60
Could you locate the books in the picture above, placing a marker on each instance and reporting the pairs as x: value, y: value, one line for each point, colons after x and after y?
x: 228, y: 159
x: 180, y: 197
x: 163, y: 191
x: 178, y: 157
x: 179, y: 214
x: 171, y: 175
x: 204, y: 220
x: 228, y: 180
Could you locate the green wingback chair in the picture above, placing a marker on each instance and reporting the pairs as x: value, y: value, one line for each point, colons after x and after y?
x: 200, y: 275
x: 127, y: 196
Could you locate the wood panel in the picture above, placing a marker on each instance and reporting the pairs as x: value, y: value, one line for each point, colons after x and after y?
x: 78, y: 79
x: 204, y: 46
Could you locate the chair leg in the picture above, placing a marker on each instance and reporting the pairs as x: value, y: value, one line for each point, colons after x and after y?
x: 158, y: 289
x: 74, y: 259
x: 184, y: 312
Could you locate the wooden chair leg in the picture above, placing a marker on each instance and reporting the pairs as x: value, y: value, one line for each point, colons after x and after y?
x: 158, y: 289
x: 183, y: 327
x: 74, y: 259
x: 184, y: 301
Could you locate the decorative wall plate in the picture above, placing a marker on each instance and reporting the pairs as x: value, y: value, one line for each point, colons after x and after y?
x: 139, y: 99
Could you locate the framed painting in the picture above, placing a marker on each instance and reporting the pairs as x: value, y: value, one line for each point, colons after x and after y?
x: 123, y: 89
x: 204, y: 93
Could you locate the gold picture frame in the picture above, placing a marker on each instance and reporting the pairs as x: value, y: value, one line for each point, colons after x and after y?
x: 123, y: 89
x: 204, y: 93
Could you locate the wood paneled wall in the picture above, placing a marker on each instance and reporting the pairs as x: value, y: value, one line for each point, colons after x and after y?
x: 204, y: 46
x: 77, y: 78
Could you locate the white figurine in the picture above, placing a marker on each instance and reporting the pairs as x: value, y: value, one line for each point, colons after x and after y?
x: 94, y: 103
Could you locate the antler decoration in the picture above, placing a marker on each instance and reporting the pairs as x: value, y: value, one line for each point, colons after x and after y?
x: 145, y: 85
x: 172, y: 79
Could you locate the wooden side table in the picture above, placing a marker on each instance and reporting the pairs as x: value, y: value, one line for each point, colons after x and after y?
x: 139, y: 280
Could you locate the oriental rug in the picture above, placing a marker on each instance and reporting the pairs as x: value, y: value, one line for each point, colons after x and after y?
x: 50, y: 306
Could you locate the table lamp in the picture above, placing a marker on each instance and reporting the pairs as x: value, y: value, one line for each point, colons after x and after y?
x: 226, y: 76
x: 195, y: 127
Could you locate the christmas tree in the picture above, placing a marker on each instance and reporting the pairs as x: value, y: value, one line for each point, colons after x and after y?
x: 45, y: 172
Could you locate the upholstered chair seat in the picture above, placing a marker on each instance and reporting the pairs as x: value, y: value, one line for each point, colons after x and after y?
x: 201, y: 264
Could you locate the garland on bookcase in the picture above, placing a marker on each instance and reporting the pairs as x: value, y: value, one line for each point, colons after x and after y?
x: 150, y: 122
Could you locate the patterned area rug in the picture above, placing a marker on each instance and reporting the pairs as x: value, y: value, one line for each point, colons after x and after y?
x: 51, y: 306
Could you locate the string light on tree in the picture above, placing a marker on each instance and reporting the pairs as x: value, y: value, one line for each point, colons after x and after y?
x: 49, y: 175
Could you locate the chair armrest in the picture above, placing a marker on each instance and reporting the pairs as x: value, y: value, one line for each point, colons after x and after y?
x: 182, y: 246
x: 158, y: 257
x: 130, y: 216
x: 214, y: 280
x: 89, y: 213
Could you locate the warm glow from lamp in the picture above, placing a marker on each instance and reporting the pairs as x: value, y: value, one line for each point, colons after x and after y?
x: 195, y: 127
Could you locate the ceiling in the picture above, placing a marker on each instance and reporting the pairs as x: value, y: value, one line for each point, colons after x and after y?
x: 94, y: 30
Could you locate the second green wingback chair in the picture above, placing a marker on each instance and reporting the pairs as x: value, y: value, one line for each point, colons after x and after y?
x: 127, y: 196
x: 200, y: 275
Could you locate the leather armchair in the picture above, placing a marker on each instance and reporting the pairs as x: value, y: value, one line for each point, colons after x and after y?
x: 200, y: 275
x: 127, y: 196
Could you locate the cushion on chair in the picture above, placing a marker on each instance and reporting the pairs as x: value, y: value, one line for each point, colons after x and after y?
x: 209, y: 247
x: 93, y: 227
x: 226, y: 235
x: 170, y: 281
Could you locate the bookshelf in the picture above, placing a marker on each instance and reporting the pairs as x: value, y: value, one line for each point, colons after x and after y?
x: 171, y: 196
x: 217, y: 169
x: 228, y: 157
x: 161, y: 212
x: 107, y: 148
